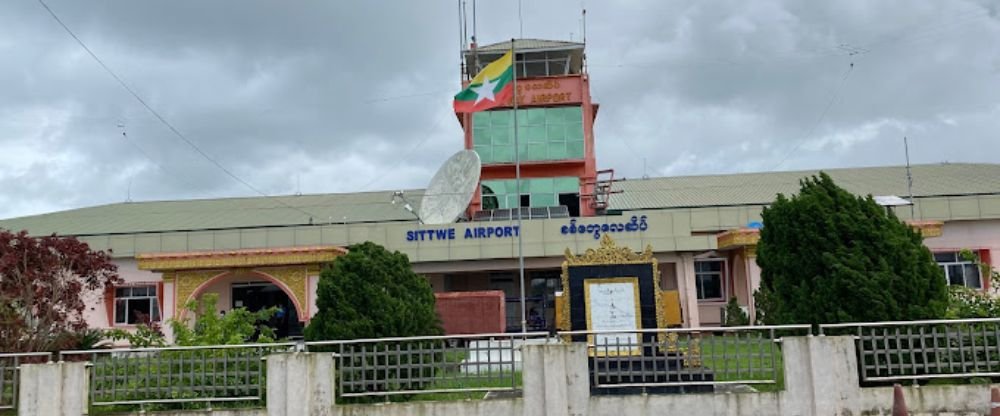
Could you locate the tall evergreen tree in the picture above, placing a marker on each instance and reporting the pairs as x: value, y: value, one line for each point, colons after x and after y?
x: 828, y: 256
x: 371, y: 292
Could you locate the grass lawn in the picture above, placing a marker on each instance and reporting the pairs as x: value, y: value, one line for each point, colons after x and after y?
x: 736, y: 358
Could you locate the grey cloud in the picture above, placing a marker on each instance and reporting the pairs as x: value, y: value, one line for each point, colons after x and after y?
x: 338, y: 95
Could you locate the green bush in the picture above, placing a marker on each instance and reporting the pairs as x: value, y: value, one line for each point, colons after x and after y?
x: 964, y: 302
x: 235, y: 327
x: 828, y: 256
x: 373, y: 293
x: 191, y: 374
x: 735, y: 315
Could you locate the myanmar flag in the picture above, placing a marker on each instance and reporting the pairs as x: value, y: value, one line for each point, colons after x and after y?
x: 492, y: 87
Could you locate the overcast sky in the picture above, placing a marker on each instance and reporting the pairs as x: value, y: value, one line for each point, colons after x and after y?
x: 346, y: 96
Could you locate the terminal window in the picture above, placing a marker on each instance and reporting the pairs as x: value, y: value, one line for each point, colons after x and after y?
x: 540, y: 192
x: 709, y: 279
x: 134, y: 304
x: 554, y: 133
x: 957, y: 270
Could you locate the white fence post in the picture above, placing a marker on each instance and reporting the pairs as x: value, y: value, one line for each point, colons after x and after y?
x: 821, y: 376
x: 555, y: 380
x: 53, y: 389
x: 300, y: 383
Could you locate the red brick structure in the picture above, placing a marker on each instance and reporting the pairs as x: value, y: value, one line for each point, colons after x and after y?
x: 477, y: 312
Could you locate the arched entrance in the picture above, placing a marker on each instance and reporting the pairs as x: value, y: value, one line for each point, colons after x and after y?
x: 255, y: 296
x: 293, y: 270
x: 254, y: 290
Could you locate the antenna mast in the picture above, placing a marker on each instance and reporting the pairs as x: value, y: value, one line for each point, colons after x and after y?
x: 520, y: 21
x: 461, y: 27
x: 475, y: 40
x: 909, y: 177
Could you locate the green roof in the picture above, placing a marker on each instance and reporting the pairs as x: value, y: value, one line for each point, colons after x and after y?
x: 223, y: 213
x: 655, y: 193
x: 948, y: 179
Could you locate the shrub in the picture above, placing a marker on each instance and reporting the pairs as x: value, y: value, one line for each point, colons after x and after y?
x: 735, y: 315
x: 373, y: 293
x: 828, y: 256
x: 235, y: 327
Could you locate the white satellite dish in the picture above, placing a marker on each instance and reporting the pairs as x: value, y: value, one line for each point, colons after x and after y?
x: 451, y: 188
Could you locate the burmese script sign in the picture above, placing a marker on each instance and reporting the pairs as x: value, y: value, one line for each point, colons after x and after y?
x: 549, y: 90
x: 612, y: 304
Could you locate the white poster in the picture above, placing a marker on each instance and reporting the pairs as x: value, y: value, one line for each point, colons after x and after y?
x: 613, y: 306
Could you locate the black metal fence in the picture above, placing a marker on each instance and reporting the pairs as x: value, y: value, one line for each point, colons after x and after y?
x: 921, y: 350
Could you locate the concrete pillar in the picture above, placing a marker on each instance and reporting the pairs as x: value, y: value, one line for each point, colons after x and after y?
x: 555, y: 379
x: 300, y: 383
x: 753, y: 281
x: 53, y: 389
x: 821, y: 373
x: 686, y: 285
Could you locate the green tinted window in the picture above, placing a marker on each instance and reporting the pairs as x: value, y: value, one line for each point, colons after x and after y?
x: 544, y: 192
x: 544, y: 134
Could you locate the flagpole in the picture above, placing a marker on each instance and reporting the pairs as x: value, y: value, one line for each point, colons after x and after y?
x: 517, y: 179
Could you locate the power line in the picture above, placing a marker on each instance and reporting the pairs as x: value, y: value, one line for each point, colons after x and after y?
x: 835, y: 97
x: 156, y: 114
x: 399, y: 161
x: 148, y: 157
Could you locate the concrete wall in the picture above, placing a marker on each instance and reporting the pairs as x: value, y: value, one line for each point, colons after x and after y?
x: 820, y: 378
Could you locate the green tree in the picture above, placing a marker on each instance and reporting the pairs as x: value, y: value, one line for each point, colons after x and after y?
x: 735, y: 315
x: 371, y: 292
x: 828, y: 256
x: 238, y: 326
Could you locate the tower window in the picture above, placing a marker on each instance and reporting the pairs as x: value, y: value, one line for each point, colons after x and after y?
x: 572, y: 203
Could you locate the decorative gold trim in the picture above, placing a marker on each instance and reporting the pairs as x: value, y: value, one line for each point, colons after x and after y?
x: 692, y: 355
x: 186, y: 283
x: 295, y: 280
x: 238, y: 258
x: 740, y: 237
x: 592, y: 339
x: 927, y: 229
x: 608, y: 253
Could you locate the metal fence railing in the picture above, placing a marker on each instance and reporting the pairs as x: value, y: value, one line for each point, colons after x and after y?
x: 440, y: 365
x: 449, y: 367
x: 915, y: 350
x: 680, y: 359
x: 179, y: 376
x: 10, y: 374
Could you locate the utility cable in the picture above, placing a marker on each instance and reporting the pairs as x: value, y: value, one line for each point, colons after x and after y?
x: 159, y: 117
x: 833, y: 99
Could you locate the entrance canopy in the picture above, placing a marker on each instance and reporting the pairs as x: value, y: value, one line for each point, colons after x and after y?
x: 291, y: 269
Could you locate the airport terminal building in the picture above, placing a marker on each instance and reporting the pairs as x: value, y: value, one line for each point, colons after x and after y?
x: 257, y: 252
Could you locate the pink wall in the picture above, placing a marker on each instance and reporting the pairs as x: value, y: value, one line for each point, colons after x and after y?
x: 975, y: 235
x: 99, y: 312
x: 96, y: 313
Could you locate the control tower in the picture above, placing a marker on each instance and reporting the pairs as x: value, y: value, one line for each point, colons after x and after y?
x: 555, y: 118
